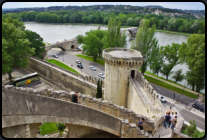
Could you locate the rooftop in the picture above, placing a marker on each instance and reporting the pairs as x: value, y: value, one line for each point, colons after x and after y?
x: 124, y: 54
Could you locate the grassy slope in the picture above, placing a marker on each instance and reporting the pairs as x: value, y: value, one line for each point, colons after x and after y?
x: 167, y: 86
x: 99, y: 61
x: 49, y: 128
x: 53, y: 61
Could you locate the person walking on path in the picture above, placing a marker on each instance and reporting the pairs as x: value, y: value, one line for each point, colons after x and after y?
x: 164, y: 118
x: 140, y: 124
x: 174, y: 122
x: 176, y: 115
x: 172, y: 117
x: 167, y: 120
x: 170, y: 111
x: 75, y: 97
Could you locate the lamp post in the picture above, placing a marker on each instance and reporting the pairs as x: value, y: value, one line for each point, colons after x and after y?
x: 184, y: 85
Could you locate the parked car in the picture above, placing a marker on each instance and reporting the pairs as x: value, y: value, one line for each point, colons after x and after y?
x: 162, y: 99
x: 80, y: 66
x: 92, y: 68
x: 55, y: 55
x: 197, y: 106
x: 78, y: 62
x: 101, y: 75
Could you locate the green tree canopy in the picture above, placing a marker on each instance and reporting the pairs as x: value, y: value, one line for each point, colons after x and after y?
x: 93, y: 44
x: 193, y: 54
x: 178, y: 76
x: 36, y: 42
x: 170, y: 53
x: 114, y: 38
x: 15, y: 45
x: 146, y: 43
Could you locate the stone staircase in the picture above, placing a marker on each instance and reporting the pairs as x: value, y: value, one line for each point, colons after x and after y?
x: 162, y: 132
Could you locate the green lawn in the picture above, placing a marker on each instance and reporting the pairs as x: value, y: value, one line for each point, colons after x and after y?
x: 99, y: 61
x: 168, y: 80
x: 49, y: 128
x: 167, y: 86
x: 58, y: 63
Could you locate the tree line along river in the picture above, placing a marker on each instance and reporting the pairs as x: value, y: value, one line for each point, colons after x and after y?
x: 58, y: 32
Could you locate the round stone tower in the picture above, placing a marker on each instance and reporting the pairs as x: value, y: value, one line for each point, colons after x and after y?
x: 120, y: 64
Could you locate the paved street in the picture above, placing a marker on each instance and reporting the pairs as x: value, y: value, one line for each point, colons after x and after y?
x: 187, y: 115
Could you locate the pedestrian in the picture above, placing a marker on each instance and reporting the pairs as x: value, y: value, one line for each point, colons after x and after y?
x: 174, y: 95
x: 167, y: 120
x: 196, y: 100
x: 140, y: 124
x: 172, y: 117
x: 170, y: 111
x: 176, y: 115
x: 198, y: 94
x: 75, y: 97
x: 174, y: 122
x: 164, y: 119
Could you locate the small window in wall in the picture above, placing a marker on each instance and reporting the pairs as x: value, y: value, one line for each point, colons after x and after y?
x: 72, y: 47
x: 132, y: 73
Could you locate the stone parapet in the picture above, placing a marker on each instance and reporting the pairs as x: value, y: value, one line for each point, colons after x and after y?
x: 128, y: 127
x: 131, y: 61
x: 87, y: 78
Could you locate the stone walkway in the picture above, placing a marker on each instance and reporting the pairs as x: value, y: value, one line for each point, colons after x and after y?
x: 163, y: 132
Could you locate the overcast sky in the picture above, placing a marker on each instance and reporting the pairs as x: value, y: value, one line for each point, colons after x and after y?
x: 172, y: 5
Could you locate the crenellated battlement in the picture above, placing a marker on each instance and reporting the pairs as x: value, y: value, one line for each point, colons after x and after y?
x: 122, y: 56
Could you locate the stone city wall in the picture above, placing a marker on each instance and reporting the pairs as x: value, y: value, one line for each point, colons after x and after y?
x: 69, y: 80
x: 150, y: 92
x: 139, y: 104
x: 25, y: 106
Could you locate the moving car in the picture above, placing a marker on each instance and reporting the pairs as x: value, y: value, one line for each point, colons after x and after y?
x: 92, y: 68
x: 80, y: 66
x: 101, y: 75
x: 55, y: 55
x: 197, y: 106
x: 162, y: 99
x: 78, y: 62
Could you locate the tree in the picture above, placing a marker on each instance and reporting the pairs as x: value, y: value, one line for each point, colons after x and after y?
x: 192, y: 130
x: 36, y: 42
x: 130, y: 21
x: 15, y: 45
x: 79, y: 39
x: 193, y: 54
x: 146, y: 43
x: 99, y: 89
x: 178, y: 76
x: 93, y: 44
x: 114, y: 38
x: 170, y: 53
x: 156, y: 61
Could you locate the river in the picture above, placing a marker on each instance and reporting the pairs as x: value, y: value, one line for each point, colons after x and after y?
x: 52, y: 32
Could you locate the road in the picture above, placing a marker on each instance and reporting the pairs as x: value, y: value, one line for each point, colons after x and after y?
x: 187, y: 115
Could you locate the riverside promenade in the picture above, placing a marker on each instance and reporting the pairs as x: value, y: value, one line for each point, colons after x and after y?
x: 175, y: 85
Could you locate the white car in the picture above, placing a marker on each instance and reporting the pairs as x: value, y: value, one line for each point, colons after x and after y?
x: 162, y: 99
x: 78, y: 62
x: 92, y: 68
x: 55, y: 55
x: 101, y: 75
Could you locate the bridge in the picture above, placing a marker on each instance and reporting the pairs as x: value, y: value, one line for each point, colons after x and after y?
x: 64, y: 45
x: 132, y: 30
x: 26, y: 109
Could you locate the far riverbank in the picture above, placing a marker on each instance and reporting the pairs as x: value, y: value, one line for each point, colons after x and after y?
x: 122, y: 26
